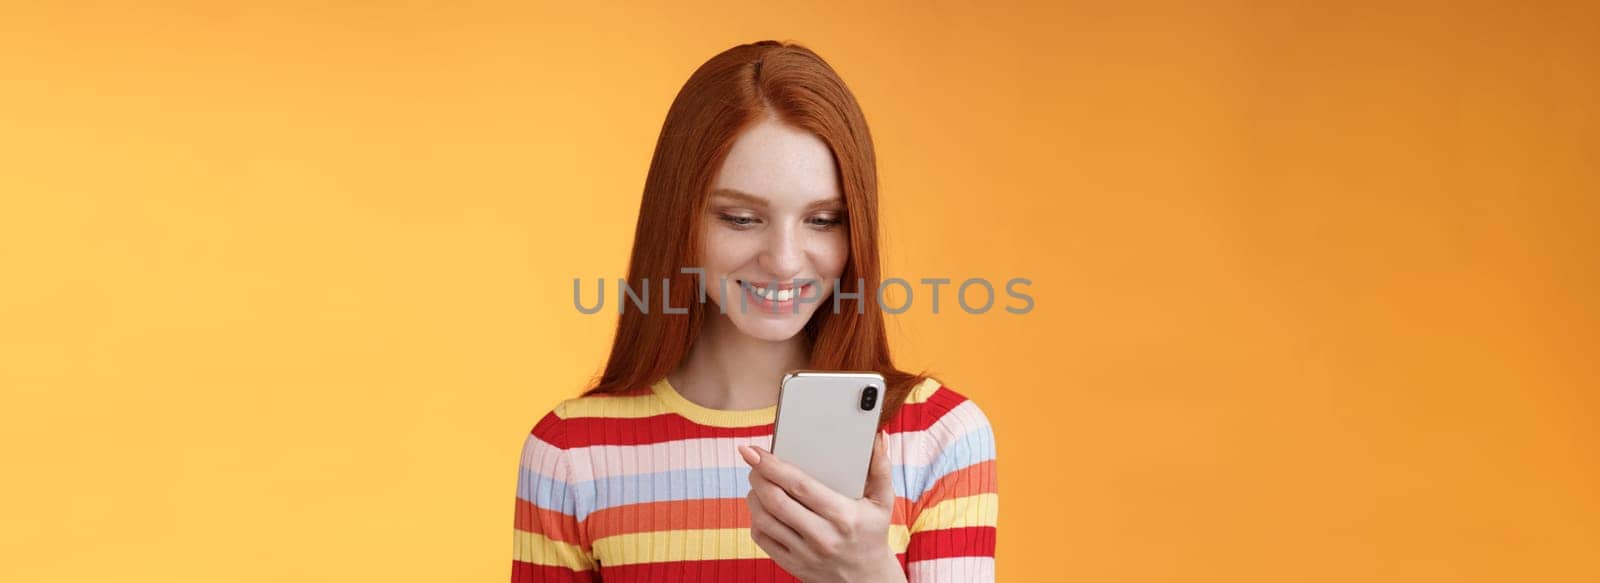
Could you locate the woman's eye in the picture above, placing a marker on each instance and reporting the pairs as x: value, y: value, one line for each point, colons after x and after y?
x: 825, y: 221
x: 736, y: 220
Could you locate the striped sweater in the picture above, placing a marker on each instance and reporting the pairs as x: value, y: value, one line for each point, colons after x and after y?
x: 649, y: 486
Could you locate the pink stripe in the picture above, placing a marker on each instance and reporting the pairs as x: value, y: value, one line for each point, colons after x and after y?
x: 540, y: 457
x: 953, y: 570
x: 914, y: 448
x: 626, y: 460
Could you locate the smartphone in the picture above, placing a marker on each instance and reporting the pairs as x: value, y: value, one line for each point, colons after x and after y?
x: 826, y: 423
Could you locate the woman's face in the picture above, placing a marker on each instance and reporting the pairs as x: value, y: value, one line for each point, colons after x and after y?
x: 776, y: 223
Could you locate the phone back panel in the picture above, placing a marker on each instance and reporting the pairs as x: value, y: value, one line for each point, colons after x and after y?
x: 822, y: 429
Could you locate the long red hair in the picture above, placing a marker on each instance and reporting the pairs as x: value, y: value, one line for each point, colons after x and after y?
x: 724, y: 96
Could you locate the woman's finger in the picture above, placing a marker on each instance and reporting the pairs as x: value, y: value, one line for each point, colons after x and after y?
x: 774, y: 549
x: 777, y: 503
x: 820, y: 499
x: 880, y: 480
x: 762, y: 522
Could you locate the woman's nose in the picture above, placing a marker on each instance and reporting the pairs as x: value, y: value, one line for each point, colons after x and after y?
x: 784, y: 255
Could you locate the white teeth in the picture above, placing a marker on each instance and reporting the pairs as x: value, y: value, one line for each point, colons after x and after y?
x: 774, y: 295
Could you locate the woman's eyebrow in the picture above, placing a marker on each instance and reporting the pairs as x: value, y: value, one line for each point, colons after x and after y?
x: 740, y: 196
x: 826, y: 203
x: 745, y: 197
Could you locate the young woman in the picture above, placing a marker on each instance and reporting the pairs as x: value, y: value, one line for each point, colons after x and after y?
x: 764, y: 172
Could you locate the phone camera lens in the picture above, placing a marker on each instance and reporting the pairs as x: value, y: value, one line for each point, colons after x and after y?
x: 869, y: 397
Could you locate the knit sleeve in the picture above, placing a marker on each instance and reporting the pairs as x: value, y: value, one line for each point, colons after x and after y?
x: 549, y: 542
x: 954, y: 518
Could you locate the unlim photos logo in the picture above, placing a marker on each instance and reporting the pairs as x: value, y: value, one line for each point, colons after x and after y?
x: 975, y: 295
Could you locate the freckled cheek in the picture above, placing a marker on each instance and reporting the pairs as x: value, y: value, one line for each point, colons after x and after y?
x: 726, y: 252
x: 828, y: 255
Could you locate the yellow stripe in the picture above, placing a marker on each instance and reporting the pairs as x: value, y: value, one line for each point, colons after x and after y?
x: 899, y: 538
x: 974, y: 510
x: 699, y: 544
x: 923, y: 390
x: 616, y: 407
x: 532, y: 547
x: 677, y: 545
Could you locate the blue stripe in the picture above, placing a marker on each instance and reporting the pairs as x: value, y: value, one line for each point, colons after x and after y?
x: 977, y: 446
x: 552, y: 494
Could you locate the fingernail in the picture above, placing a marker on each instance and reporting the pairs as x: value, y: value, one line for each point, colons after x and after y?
x: 749, y: 454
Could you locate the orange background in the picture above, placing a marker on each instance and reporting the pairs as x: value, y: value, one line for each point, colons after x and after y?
x: 283, y: 287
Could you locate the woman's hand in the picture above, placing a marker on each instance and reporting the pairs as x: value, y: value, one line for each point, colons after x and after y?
x: 815, y: 533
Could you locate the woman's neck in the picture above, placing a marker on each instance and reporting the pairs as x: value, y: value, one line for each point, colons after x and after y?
x: 726, y: 369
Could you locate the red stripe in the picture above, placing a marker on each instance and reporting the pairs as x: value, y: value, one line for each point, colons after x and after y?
x: 692, y: 571
x: 971, y: 541
x: 530, y: 573
x: 733, y: 570
x: 674, y: 571
x: 549, y: 429
x: 589, y: 431
x: 921, y: 416
x: 553, y: 525
x: 675, y: 515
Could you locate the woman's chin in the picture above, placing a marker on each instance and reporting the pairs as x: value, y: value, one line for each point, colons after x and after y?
x: 772, y: 328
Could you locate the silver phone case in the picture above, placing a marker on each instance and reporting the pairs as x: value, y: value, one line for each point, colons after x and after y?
x: 821, y: 428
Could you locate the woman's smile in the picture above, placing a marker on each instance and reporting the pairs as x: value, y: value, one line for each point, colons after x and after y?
x: 777, y: 297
